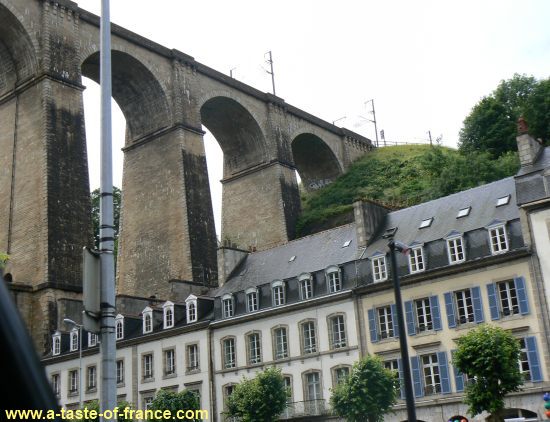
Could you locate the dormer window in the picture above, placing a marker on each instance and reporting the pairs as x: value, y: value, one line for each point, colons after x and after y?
x: 119, y: 327
x: 416, y: 259
x: 147, y: 320
x: 92, y: 339
x: 455, y: 248
x: 191, y: 303
x: 379, y: 268
x: 168, y: 314
x: 74, y: 339
x: 278, y: 293
x: 306, y: 286
x: 498, y: 239
x: 56, y: 343
x: 227, y: 306
x: 251, y: 299
x: 334, y: 279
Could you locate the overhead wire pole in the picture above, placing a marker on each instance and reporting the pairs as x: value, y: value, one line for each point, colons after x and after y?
x: 374, y: 121
x: 106, y: 230
x: 270, y: 61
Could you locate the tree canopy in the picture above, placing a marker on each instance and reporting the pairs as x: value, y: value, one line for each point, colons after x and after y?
x: 489, y: 356
x: 368, y: 393
x: 259, y: 399
x: 169, y: 400
x: 491, y: 125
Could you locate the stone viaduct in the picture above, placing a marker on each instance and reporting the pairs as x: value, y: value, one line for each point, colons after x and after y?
x: 167, y: 232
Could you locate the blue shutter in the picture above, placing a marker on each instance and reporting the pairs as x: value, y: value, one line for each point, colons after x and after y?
x: 436, y: 315
x: 409, y: 316
x: 417, y: 379
x: 522, y: 295
x: 493, y: 304
x: 533, y: 358
x: 372, y: 326
x: 478, y: 307
x: 450, y: 309
x: 401, y: 378
x: 459, y: 377
x: 394, y: 320
x: 444, y: 372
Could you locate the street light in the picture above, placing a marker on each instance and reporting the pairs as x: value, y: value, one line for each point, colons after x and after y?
x: 79, y: 326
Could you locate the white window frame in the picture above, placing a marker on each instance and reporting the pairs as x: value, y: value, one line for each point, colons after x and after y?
x: 228, y: 308
x: 73, y: 381
x: 191, y: 308
x: 507, y: 296
x: 523, y: 361
x: 312, y: 379
x: 430, y: 374
x: 280, y: 342
x: 229, y: 352
x: 306, y: 286
x: 468, y: 310
x: 147, y: 314
x: 453, y: 244
x: 192, y: 356
x: 56, y: 344
x: 169, y: 361
x: 386, y: 325
x: 56, y: 383
x: 424, y: 315
x: 254, y: 347
x: 168, y: 314
x: 337, y: 376
x: 147, y: 366
x: 308, y: 330
x: 119, y: 327
x: 417, y: 262
x: 498, y: 239
x: 334, y: 279
x: 252, y: 299
x: 120, y: 371
x: 74, y: 341
x: 93, y: 339
x: 278, y: 293
x: 379, y: 268
x: 91, y: 377
x: 337, y: 331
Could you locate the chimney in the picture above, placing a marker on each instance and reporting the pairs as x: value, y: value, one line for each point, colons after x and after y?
x: 528, y: 147
x: 369, y: 217
x: 229, y: 258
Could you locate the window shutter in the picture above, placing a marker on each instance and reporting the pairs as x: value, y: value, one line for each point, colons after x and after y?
x: 450, y: 309
x: 401, y: 378
x: 372, y: 326
x: 394, y: 320
x: 409, y: 316
x: 444, y: 372
x: 459, y: 377
x: 436, y: 314
x: 478, y: 307
x: 522, y: 295
x: 493, y: 304
x: 533, y: 357
x: 417, y: 380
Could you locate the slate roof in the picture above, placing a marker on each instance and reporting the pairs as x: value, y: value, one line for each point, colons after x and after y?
x: 531, y: 186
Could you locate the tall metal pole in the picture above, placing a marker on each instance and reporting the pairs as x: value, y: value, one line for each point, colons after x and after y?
x: 374, y: 121
x: 106, y: 232
x: 409, y: 396
x: 270, y: 61
x: 80, y: 366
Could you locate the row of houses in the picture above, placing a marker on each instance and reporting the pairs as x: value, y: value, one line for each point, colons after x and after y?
x: 314, y: 306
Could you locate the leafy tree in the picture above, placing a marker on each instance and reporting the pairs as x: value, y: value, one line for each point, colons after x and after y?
x: 491, y: 125
x: 3, y: 259
x: 168, y: 400
x: 368, y: 393
x: 259, y: 399
x: 95, y: 196
x: 94, y: 405
x: 489, y: 356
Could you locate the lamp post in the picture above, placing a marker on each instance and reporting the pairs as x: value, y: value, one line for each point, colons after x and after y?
x: 79, y: 326
x: 409, y: 396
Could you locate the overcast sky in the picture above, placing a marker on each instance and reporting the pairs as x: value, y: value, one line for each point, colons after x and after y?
x: 425, y: 63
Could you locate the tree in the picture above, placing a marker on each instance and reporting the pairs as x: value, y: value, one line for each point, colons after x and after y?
x: 489, y: 356
x: 259, y: 399
x: 368, y: 393
x: 3, y: 259
x: 95, y: 196
x: 168, y: 400
x: 491, y: 125
x: 94, y: 405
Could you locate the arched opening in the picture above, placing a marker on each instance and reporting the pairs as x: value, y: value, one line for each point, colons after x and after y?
x: 517, y: 414
x: 8, y: 278
x: 316, y: 163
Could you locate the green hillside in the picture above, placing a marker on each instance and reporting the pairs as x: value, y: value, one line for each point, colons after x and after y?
x: 401, y: 176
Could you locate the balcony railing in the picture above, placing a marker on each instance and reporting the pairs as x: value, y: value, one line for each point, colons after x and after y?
x: 305, y: 408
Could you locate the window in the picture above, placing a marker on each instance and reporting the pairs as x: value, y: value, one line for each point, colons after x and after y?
x: 73, y: 381
x: 340, y: 374
x: 120, y: 371
x: 529, y: 363
x: 416, y: 260
x: 426, y: 223
x: 423, y: 315
x: 508, y: 297
x: 147, y: 402
x: 227, y: 391
x: 168, y: 311
x: 147, y: 366
x: 192, y: 357
x: 74, y: 339
x: 229, y: 358
x: 312, y: 383
x: 147, y: 320
x: 254, y: 348
x: 252, y: 300
x: 92, y: 339
x: 309, y: 340
x: 191, y: 308
x: 455, y: 250
x: 524, y: 368
x: 337, y: 331
x: 430, y: 371
x: 169, y: 362
x: 278, y: 292
x: 280, y: 340
x: 463, y: 212
x: 503, y: 201
x: 91, y: 378
x: 464, y: 306
x: 288, y: 385
x: 56, y: 384
x: 334, y: 279
x: 227, y: 306
x: 498, y: 239
x: 306, y: 286
x: 119, y: 324
x: 56, y: 344
x: 385, y: 322
x: 379, y: 272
